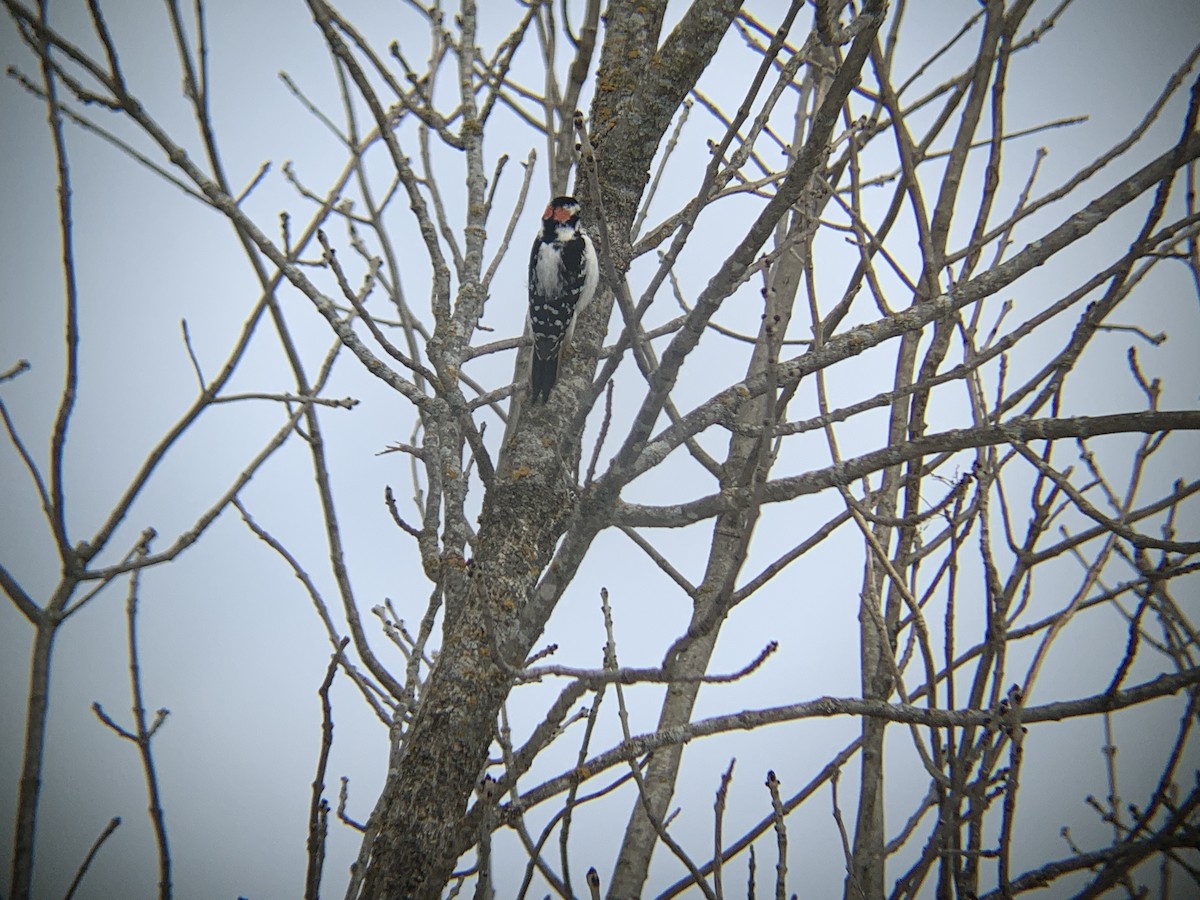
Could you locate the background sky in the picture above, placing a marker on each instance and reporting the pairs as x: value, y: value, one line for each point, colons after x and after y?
x: 230, y: 643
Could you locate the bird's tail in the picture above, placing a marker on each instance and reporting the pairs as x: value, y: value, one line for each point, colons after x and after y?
x: 542, y: 375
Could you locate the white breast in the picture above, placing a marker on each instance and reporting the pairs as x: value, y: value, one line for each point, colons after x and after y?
x: 547, y: 270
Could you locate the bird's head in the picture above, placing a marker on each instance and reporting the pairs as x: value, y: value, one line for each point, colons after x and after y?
x: 562, y: 211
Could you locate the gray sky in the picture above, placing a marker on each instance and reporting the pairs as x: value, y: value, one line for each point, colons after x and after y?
x: 230, y: 643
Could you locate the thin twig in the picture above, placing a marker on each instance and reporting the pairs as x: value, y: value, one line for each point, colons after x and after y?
x: 318, y: 811
x: 112, y: 826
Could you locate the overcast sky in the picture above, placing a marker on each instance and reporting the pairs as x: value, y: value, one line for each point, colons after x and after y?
x: 230, y: 643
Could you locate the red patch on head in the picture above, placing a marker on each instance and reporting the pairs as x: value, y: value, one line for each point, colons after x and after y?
x: 560, y: 214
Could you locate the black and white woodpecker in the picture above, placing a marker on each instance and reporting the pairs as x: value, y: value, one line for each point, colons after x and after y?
x: 563, y: 273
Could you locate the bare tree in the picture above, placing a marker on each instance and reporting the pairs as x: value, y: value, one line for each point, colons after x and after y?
x: 898, y: 319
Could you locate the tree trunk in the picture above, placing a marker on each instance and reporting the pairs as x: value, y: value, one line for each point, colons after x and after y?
x: 748, y: 462
x: 418, y: 828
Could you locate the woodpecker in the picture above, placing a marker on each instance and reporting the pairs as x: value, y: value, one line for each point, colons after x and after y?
x: 563, y: 273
